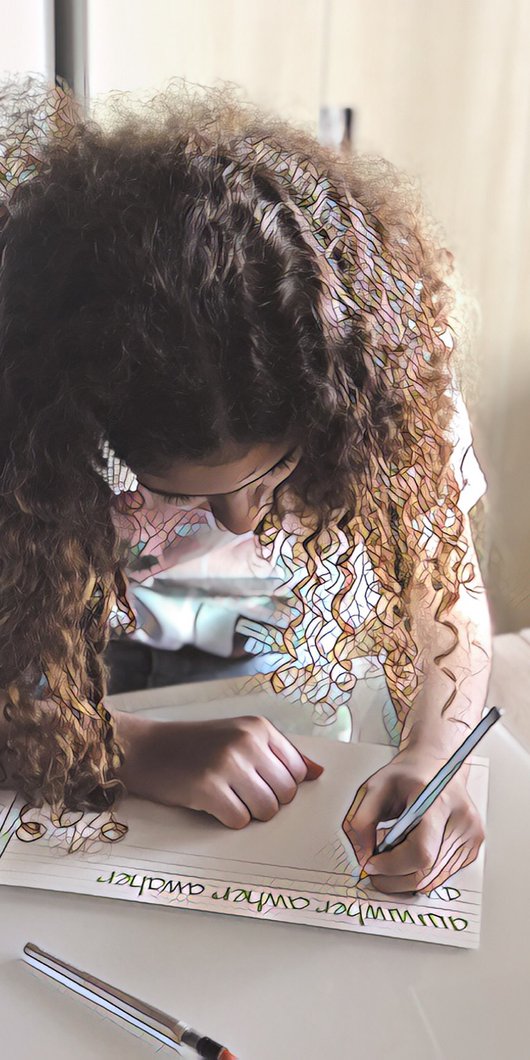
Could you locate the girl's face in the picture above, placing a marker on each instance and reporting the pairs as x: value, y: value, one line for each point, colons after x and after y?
x: 238, y: 483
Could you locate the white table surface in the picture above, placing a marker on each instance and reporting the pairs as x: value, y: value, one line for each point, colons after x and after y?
x: 276, y: 991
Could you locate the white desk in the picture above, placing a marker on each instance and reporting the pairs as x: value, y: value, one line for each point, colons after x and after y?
x: 274, y: 991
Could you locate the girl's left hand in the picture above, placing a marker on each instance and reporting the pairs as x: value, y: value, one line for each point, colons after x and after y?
x: 448, y: 837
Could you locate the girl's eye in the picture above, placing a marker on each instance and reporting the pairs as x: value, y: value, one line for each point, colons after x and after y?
x: 176, y: 498
x: 284, y: 463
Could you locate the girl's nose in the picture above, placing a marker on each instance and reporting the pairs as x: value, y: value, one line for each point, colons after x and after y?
x: 240, y: 513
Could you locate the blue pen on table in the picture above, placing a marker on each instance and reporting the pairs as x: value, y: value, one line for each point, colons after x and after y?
x: 413, y: 814
x: 152, y: 1021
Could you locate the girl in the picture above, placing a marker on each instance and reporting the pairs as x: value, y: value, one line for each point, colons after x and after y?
x: 211, y: 324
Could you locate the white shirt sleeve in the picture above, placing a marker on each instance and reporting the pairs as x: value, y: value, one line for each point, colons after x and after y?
x: 172, y: 617
x: 466, y: 468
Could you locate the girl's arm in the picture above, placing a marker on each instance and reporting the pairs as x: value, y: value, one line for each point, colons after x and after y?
x: 233, y: 768
x: 426, y: 727
x: 440, y: 716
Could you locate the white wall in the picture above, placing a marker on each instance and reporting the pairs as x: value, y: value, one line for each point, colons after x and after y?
x: 26, y: 37
x: 272, y: 49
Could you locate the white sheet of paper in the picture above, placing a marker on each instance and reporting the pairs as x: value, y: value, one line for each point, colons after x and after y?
x: 298, y: 867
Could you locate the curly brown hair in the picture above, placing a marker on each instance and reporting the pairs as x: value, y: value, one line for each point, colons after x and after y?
x: 192, y: 270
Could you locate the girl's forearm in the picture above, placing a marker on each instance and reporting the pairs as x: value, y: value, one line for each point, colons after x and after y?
x: 452, y: 687
x: 452, y: 692
x: 131, y: 731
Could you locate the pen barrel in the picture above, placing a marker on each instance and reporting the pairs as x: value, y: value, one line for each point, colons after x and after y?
x: 87, y: 984
x: 153, y: 1020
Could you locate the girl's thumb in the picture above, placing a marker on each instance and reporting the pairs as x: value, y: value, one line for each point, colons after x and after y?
x: 314, y: 770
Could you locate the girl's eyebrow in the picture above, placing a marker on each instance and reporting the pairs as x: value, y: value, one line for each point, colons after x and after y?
x: 164, y: 493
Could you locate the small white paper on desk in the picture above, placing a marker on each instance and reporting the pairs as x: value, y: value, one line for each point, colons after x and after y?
x: 298, y: 867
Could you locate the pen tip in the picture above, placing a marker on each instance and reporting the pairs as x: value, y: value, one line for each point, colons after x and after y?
x: 227, y: 1055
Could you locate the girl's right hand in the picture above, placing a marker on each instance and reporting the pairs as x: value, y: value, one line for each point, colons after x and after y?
x: 233, y: 768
